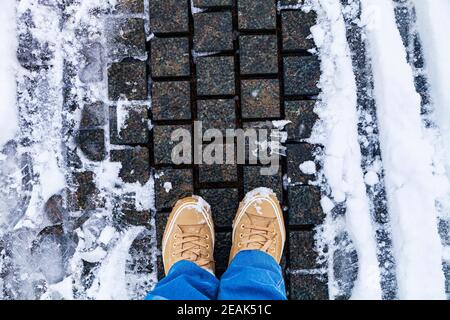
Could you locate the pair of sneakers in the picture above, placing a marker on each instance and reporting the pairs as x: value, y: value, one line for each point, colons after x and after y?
x: 189, y: 233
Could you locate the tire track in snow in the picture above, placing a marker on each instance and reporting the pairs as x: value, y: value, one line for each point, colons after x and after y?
x: 410, y: 184
x: 371, y: 161
x: 349, y: 225
x: 427, y: 37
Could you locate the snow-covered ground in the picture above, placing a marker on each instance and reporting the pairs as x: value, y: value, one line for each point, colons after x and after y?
x: 413, y: 157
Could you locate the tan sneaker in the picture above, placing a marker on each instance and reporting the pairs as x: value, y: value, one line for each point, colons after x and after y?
x: 189, y: 234
x: 259, y: 224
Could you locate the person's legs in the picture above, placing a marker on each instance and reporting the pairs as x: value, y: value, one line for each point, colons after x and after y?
x: 252, y: 275
x: 186, y: 281
x: 187, y: 250
x: 258, y: 240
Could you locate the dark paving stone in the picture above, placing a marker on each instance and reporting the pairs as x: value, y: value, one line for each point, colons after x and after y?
x: 169, y: 16
x: 261, y: 16
x: 296, y: 155
x: 304, y: 205
x: 160, y: 221
x: 211, y: 3
x: 217, y: 114
x: 213, y: 31
x: 224, y: 204
x: 215, y: 75
x: 171, y: 100
x: 130, y: 216
x: 135, y: 127
x: 301, y: 75
x: 135, y: 164
x: 308, y: 287
x: 127, y: 80
x: 126, y: 37
x: 222, y: 252
x: 296, y: 29
x: 303, y: 118
x: 170, y: 57
x: 301, y: 250
x: 265, y: 132
x: 130, y: 6
x: 182, y: 186
x: 163, y: 143
x: 253, y: 179
x: 258, y: 54
x: 93, y: 115
x: 260, y: 98
x: 56, y: 209
x: 92, y: 144
x: 140, y: 261
x: 217, y: 173
x: 86, y: 195
x: 290, y: 2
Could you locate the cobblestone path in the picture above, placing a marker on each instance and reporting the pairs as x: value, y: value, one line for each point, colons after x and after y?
x: 234, y: 64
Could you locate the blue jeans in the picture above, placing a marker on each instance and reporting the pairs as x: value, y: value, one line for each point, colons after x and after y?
x: 252, y: 275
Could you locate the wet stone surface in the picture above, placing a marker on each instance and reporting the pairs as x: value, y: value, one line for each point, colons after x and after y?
x: 86, y: 194
x: 169, y: 16
x: 302, y: 117
x: 213, y: 31
x: 93, y: 115
x: 135, y: 164
x: 304, y: 205
x: 170, y: 57
x: 224, y: 204
x: 93, y: 63
x: 308, y: 287
x: 301, y: 75
x: 171, y: 100
x: 296, y: 29
x: 301, y: 250
x: 261, y: 16
x: 163, y: 143
x: 127, y: 80
x: 215, y: 75
x: 92, y: 144
x: 126, y: 38
x: 135, y: 126
x: 180, y: 181
x: 260, y: 98
x: 297, y: 154
x: 258, y: 54
x: 217, y: 114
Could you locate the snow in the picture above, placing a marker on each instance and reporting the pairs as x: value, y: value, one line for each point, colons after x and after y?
x: 110, y: 283
x: 410, y: 183
x: 337, y: 132
x: 308, y: 167
x: 433, y: 19
x: 8, y: 67
x: 167, y: 186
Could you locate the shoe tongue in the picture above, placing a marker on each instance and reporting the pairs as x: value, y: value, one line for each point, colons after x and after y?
x: 194, y: 228
x: 259, y: 220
